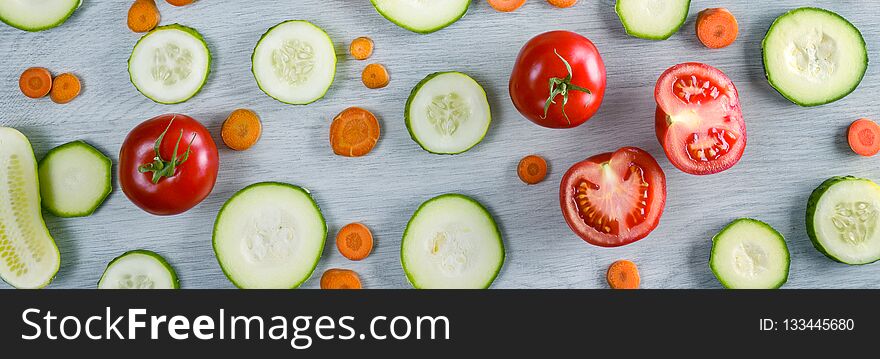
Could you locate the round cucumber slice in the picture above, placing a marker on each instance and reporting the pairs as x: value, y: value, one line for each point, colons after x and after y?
x: 170, y: 64
x: 451, y: 241
x: 448, y: 113
x: 74, y: 179
x: 420, y: 16
x: 294, y: 62
x: 842, y: 219
x: 814, y: 56
x: 37, y: 15
x: 652, y: 19
x: 749, y: 254
x: 28, y: 255
x: 139, y: 269
x: 269, y: 235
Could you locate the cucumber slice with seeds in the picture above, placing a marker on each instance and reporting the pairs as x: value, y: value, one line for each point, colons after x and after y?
x: 842, y: 219
x: 422, y: 16
x: 139, y: 269
x: 452, y: 241
x: 29, y: 257
x: 814, y: 56
x: 448, y: 113
x: 294, y: 62
x: 170, y: 64
x: 652, y: 19
x: 749, y: 254
x: 37, y: 15
x: 74, y: 179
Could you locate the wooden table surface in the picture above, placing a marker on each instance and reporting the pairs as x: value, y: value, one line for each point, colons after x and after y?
x: 790, y: 151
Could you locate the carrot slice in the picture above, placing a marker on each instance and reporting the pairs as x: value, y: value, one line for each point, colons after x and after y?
x: 375, y: 76
x: 361, y: 48
x: 623, y: 274
x: 143, y: 16
x: 354, y: 241
x: 65, y: 88
x: 562, y: 3
x: 180, y: 2
x: 354, y: 132
x: 241, y: 130
x: 532, y: 169
x: 717, y: 28
x: 340, y: 279
x: 506, y: 5
x: 864, y: 137
x: 35, y: 82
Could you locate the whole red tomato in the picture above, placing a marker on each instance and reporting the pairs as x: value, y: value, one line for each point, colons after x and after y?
x: 168, y: 164
x: 558, y: 80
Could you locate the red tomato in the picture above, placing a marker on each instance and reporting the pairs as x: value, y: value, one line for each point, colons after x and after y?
x: 614, y: 199
x: 153, y: 186
x: 699, y: 121
x: 548, y: 93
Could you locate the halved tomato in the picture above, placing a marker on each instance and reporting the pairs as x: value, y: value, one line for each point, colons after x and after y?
x: 614, y: 199
x: 699, y: 121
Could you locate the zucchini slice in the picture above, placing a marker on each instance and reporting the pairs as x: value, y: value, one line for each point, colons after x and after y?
x: 139, y: 269
x: 749, y: 254
x: 420, y: 16
x: 843, y: 219
x: 74, y: 179
x: 652, y: 19
x: 170, y: 64
x: 37, y: 15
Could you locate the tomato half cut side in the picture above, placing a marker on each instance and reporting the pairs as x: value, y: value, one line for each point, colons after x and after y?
x: 614, y: 199
x: 699, y: 120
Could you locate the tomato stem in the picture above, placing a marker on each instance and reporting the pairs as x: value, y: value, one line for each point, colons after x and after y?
x: 561, y: 86
x: 162, y: 168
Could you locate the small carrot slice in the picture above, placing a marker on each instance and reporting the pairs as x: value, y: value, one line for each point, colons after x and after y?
x: 241, y: 130
x: 506, y: 5
x: 562, y: 3
x: 180, y: 2
x: 35, y: 82
x: 864, y: 137
x: 717, y: 28
x: 354, y: 132
x: 143, y: 16
x: 532, y: 169
x: 375, y: 76
x: 340, y: 279
x: 623, y: 274
x: 65, y: 88
x: 361, y: 48
x: 354, y: 241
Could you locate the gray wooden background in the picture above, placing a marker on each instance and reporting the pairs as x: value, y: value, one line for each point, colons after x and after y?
x: 790, y: 150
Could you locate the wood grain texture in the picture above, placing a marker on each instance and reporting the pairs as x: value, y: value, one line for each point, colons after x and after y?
x: 791, y: 149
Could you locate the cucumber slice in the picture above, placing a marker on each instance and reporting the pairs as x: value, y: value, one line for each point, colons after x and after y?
x: 814, y: 56
x: 139, y: 269
x: 170, y: 64
x: 652, y: 19
x: 451, y: 241
x: 28, y: 255
x: 74, y: 179
x: 420, y: 16
x: 842, y: 219
x: 37, y: 15
x: 749, y: 254
x: 269, y: 235
x: 294, y: 62
x: 448, y: 113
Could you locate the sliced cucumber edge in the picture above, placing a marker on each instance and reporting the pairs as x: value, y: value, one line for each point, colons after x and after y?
x: 423, y: 32
x: 730, y: 225
x: 174, y: 279
x: 109, y: 188
x: 60, y: 22
x: 640, y: 35
x: 195, y: 33
x: 812, y: 204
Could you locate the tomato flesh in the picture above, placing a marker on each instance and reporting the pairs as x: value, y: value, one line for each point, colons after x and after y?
x: 614, y: 199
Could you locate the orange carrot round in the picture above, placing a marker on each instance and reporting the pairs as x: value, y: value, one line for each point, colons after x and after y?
x: 864, y: 137
x: 143, y: 16
x: 361, y: 48
x: 506, y: 5
x: 241, y: 130
x: 562, y: 3
x: 532, y: 169
x: 340, y: 279
x: 354, y: 241
x: 35, y: 82
x: 375, y: 76
x: 623, y: 274
x: 717, y: 28
x: 180, y: 2
x: 65, y: 88
x: 354, y: 132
